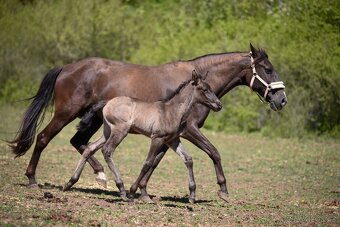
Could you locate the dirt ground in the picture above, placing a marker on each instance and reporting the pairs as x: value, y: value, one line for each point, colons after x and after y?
x: 271, y: 182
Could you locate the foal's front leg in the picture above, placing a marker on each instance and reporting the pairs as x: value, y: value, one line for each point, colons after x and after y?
x: 89, y: 151
x: 177, y: 146
x: 107, y: 151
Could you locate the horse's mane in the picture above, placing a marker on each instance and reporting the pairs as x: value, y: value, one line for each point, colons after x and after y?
x: 261, y: 55
x: 179, y: 88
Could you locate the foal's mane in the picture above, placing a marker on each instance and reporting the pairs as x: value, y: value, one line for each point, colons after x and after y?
x: 174, y: 93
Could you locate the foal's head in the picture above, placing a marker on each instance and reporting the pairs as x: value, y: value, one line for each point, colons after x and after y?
x: 203, y: 94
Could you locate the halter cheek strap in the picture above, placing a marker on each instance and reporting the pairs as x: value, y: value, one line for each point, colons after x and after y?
x: 269, y: 87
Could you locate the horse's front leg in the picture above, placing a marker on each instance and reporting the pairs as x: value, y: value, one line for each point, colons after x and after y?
x: 80, y: 140
x: 195, y: 136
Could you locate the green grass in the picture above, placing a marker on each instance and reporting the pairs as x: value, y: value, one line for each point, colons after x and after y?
x: 271, y: 182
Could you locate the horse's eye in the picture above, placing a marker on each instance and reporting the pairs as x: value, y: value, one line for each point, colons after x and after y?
x: 268, y: 71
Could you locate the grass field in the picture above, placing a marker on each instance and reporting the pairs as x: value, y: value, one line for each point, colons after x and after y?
x: 271, y: 182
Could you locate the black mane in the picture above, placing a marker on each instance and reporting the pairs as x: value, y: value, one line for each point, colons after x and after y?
x: 179, y: 88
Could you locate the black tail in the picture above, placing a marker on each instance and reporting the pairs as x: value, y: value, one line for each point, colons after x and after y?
x: 26, y: 134
x: 86, y: 120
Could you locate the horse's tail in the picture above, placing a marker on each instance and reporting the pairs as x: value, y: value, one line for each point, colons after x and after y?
x: 86, y: 120
x: 26, y: 134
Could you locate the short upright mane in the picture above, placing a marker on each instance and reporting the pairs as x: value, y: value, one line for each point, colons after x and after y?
x: 261, y: 55
x: 212, y: 55
x: 179, y: 88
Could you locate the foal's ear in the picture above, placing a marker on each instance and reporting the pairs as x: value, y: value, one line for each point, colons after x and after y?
x: 195, y: 77
x: 253, y: 50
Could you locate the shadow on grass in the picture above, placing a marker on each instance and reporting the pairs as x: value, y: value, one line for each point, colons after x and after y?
x: 97, y: 191
x: 183, y: 200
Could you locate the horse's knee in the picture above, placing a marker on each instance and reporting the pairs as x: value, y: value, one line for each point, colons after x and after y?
x: 216, y: 157
x: 42, y: 141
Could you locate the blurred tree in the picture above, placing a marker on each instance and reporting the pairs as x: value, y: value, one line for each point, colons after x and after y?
x: 300, y: 36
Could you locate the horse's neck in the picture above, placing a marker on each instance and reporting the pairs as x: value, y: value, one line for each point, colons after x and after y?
x: 226, y: 71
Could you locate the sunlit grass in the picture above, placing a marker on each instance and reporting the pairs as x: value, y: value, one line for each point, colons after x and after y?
x: 271, y: 182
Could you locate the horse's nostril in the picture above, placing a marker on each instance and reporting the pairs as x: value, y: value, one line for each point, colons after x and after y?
x: 284, y: 102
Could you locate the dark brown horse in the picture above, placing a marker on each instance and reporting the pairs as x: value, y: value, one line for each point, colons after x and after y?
x: 80, y: 85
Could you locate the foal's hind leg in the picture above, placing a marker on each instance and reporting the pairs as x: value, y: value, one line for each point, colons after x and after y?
x: 80, y: 140
x: 89, y: 151
x: 177, y: 146
x: 155, y: 146
x: 108, y: 149
x: 143, y: 183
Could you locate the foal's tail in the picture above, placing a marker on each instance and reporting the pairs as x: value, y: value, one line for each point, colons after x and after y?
x: 26, y: 134
x: 86, y: 120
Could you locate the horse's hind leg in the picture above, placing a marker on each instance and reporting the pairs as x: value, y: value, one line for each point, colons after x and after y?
x: 80, y: 140
x: 108, y: 149
x: 89, y: 151
x: 177, y: 146
x: 43, y: 138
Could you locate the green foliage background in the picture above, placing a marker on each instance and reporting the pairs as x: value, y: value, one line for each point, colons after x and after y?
x: 300, y: 36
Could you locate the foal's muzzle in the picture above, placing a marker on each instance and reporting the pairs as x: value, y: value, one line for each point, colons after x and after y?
x: 217, y: 106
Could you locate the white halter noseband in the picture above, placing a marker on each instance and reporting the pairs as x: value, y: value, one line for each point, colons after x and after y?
x: 269, y: 87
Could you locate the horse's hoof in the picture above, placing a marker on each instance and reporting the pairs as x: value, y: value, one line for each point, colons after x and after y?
x: 35, y: 185
x: 223, y: 195
x: 146, y: 199
x: 66, y: 187
x: 101, y: 179
x: 192, y: 200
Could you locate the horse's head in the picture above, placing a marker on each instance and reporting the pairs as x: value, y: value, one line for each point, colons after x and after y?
x: 265, y: 81
x: 203, y: 92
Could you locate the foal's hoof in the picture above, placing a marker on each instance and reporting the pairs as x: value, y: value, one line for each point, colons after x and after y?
x: 145, y: 199
x: 192, y: 200
x: 125, y: 198
x: 223, y: 195
x: 35, y: 185
x: 101, y: 179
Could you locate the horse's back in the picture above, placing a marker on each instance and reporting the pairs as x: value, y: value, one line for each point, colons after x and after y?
x: 89, y: 81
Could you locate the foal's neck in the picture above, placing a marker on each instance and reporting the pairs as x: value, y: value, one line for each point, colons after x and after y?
x: 182, y: 103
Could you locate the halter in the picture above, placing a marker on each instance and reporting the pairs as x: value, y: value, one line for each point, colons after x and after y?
x: 269, y: 87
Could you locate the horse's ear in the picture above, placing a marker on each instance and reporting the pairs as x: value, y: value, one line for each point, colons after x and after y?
x: 253, y: 50
x: 195, y: 77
